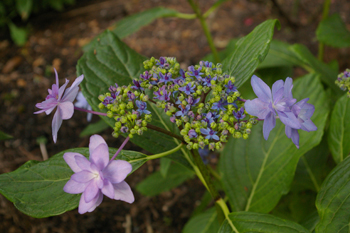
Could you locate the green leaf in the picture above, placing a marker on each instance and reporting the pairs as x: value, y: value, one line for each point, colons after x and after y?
x: 4, y: 136
x: 156, y: 183
x: 327, y: 74
x: 255, y: 172
x: 332, y: 31
x: 264, y: 223
x: 203, y: 223
x: 311, y: 221
x: 280, y: 55
x: 333, y: 201
x: 312, y: 168
x: 94, y: 128
x: 132, y: 23
x: 36, y: 188
x: 164, y: 166
x: 24, y: 7
x: 18, y: 35
x: 249, y: 52
x: 111, y: 62
x: 339, y: 129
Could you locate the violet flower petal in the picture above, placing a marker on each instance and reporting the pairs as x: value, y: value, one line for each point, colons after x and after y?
x: 256, y: 107
x: 91, y: 191
x: 67, y: 109
x: 95, y: 141
x: 72, y: 91
x: 108, y: 189
x: 83, y: 163
x: 70, y: 158
x: 100, y: 156
x: 56, y: 124
x: 261, y: 89
x: 269, y: 124
x: 89, y: 206
x: 83, y: 176
x: 122, y: 191
x: 117, y: 171
x: 308, y: 126
x: 74, y: 187
x: 288, y: 118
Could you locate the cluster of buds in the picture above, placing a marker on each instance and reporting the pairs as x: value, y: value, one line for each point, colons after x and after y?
x: 202, y: 101
x: 127, y: 106
x: 343, y: 81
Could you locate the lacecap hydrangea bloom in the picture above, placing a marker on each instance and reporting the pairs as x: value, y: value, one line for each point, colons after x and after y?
x: 202, y: 101
x: 343, y: 81
x: 97, y: 176
x: 61, y: 98
x: 279, y: 103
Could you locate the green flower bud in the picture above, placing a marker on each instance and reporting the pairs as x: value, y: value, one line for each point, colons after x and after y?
x: 101, y: 98
x: 109, y: 114
x: 130, y: 135
x: 101, y: 106
x: 115, y: 135
x: 245, y: 136
x: 237, y: 135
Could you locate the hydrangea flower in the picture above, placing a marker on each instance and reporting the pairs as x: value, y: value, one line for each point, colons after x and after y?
x: 142, y: 107
x: 61, y: 98
x: 82, y: 103
x: 303, y: 111
x: 268, y: 103
x: 211, y: 134
x: 97, y: 176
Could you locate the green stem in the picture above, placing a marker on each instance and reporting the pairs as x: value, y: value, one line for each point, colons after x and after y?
x: 204, y: 25
x: 326, y: 6
x: 213, y: 8
x: 157, y: 156
x: 214, y: 173
x: 206, y: 175
x: 185, y: 16
x: 164, y: 131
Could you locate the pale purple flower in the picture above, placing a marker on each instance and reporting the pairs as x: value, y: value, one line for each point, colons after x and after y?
x: 268, y: 103
x: 63, y: 100
x: 239, y: 114
x: 165, y: 78
x: 137, y: 85
x: 188, y: 89
x: 303, y: 111
x: 195, y: 73
x: 220, y: 105
x: 97, y: 176
x: 230, y: 87
x: 82, y: 103
x: 142, y: 107
x: 192, y: 133
x: 183, y: 111
x: 211, y: 134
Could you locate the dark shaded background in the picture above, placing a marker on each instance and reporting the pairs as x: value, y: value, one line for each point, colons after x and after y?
x: 56, y: 40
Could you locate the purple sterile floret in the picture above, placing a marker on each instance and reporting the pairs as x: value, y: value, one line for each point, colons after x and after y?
x: 61, y: 98
x: 303, y: 111
x: 97, y: 176
x: 183, y: 111
x: 220, y: 105
x: 268, y: 103
x: 230, y: 87
x: 108, y: 100
x: 165, y: 95
x: 137, y: 85
x: 211, y: 134
x: 188, y: 89
x: 192, y: 133
x: 208, y: 118
x: 82, y: 103
x: 195, y: 73
x: 162, y: 62
x: 206, y: 64
x: 165, y: 78
x: 131, y: 95
x: 146, y: 75
x: 142, y: 107
x: 239, y: 114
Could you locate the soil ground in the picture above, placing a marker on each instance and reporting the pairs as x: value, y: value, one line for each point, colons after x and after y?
x: 56, y: 40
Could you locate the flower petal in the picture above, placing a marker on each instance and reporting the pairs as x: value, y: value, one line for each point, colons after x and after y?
x: 117, y: 171
x: 67, y: 109
x: 95, y: 141
x: 261, y: 89
x: 61, y: 90
x: 257, y: 108
x: 72, y: 91
x: 83, y: 176
x: 269, y: 124
x: 89, y: 206
x: 288, y: 131
x: 288, y: 118
x: 70, y: 158
x: 74, y: 187
x: 295, y: 137
x: 91, y: 191
x: 122, y: 191
x: 308, y: 126
x: 83, y: 163
x: 108, y: 189
x: 276, y: 87
x: 100, y: 156
x: 56, y: 123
